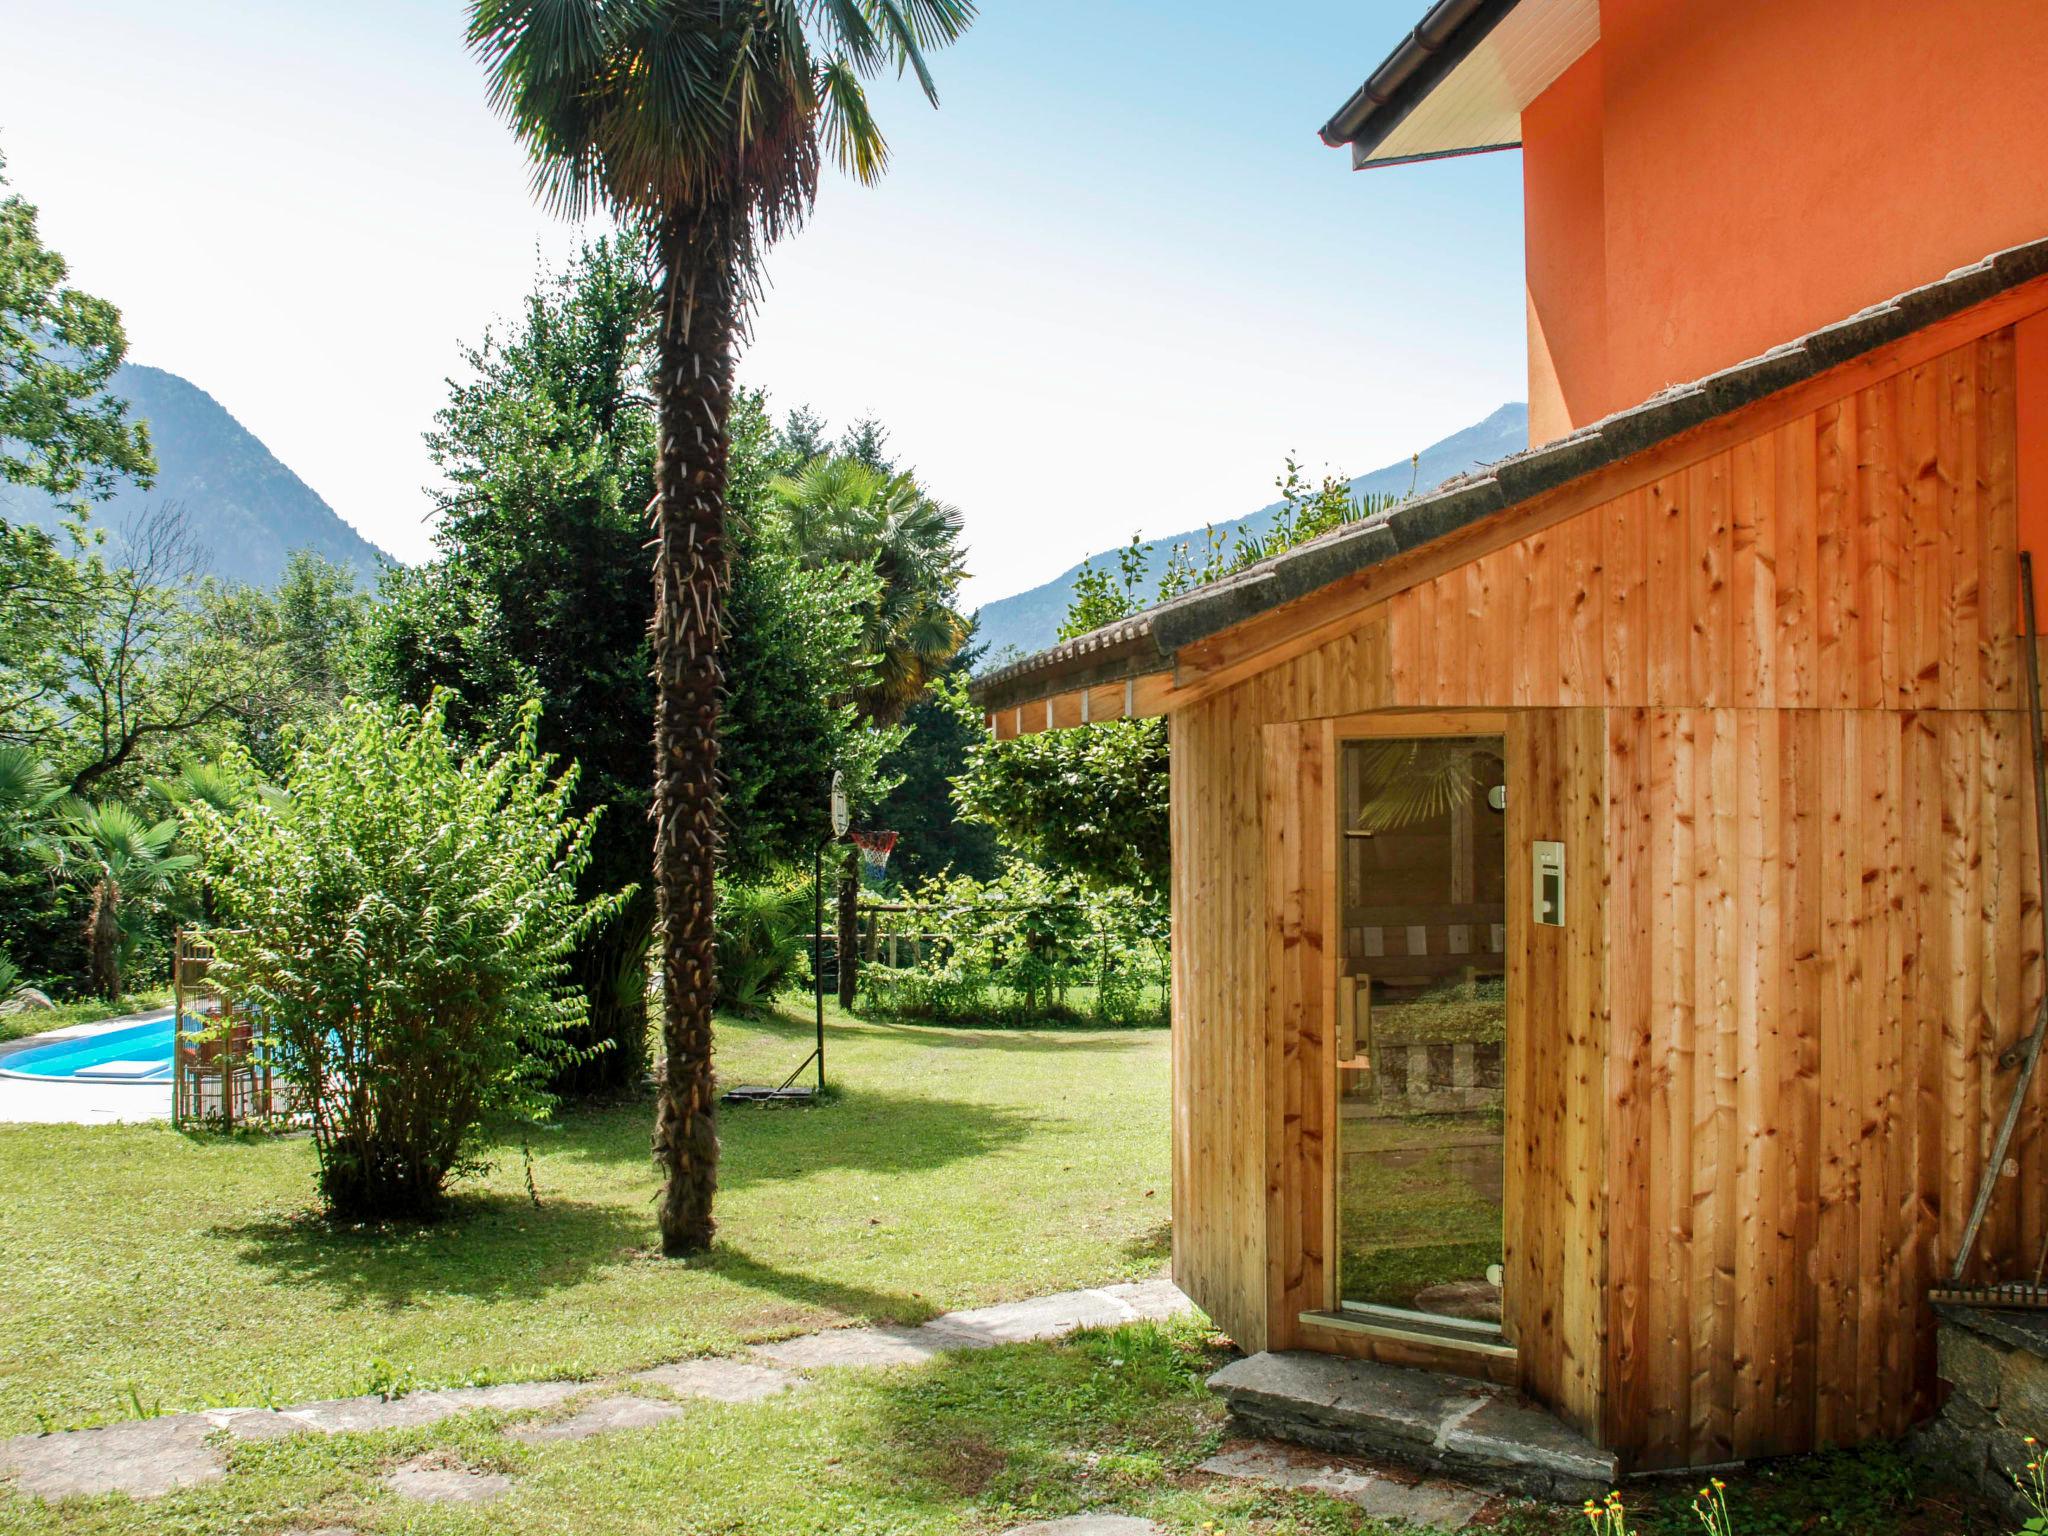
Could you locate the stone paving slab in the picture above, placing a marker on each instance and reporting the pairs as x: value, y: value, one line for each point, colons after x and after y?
x: 1011, y: 1322
x: 721, y: 1380
x: 148, y: 1457
x: 867, y: 1348
x: 431, y: 1481
x: 1089, y: 1525
x: 1418, y: 1501
x: 606, y: 1414
x: 358, y: 1415
x: 142, y: 1458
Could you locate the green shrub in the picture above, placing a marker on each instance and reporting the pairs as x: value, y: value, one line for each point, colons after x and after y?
x: 399, y: 923
x: 1027, y: 947
x: 763, y: 931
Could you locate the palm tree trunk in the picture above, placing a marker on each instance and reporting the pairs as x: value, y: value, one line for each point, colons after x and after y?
x: 103, y: 940
x: 701, y: 250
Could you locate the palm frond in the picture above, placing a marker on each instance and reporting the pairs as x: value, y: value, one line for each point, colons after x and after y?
x: 1409, y: 781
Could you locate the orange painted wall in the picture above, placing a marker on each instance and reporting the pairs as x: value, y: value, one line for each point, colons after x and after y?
x: 1765, y: 167
x: 1566, y: 231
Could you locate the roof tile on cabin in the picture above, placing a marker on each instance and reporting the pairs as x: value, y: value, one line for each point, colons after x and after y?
x: 1147, y: 641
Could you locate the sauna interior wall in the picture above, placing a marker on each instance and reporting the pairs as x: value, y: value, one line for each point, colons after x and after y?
x: 1778, y: 687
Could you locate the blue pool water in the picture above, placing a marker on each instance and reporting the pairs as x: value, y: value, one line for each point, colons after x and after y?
x: 138, y: 1053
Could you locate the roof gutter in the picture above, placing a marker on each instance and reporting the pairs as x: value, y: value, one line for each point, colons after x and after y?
x: 1439, y: 44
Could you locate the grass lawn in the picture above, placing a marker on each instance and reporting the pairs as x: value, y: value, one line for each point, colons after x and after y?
x: 149, y: 1271
x: 143, y: 1271
x: 972, y: 1443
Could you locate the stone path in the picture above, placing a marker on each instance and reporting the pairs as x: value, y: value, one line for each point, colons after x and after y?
x: 1381, y: 1493
x: 147, y: 1457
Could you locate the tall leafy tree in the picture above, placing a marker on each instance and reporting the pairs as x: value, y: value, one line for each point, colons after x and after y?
x: 61, y: 430
x: 702, y: 123
x: 939, y: 731
x: 543, y: 588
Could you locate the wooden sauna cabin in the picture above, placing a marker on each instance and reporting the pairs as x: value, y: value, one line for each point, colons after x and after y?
x: 1604, y: 889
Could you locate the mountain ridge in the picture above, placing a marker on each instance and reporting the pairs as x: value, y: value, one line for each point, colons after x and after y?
x: 243, y: 505
x: 1028, y: 621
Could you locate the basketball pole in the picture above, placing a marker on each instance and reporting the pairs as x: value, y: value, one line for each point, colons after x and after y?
x: 818, y: 955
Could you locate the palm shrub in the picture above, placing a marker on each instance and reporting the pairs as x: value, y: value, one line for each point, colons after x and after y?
x: 400, y: 923
x: 127, y: 865
x: 763, y: 929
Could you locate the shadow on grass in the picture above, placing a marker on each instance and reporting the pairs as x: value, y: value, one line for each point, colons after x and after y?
x: 488, y: 1245
x: 1050, y: 1035
x: 1037, y: 1039
x: 1023, y: 1429
x: 869, y: 1129
x: 1154, y: 1245
x: 855, y: 1303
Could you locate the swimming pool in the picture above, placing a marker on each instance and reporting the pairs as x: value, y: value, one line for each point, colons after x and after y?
x: 135, y: 1053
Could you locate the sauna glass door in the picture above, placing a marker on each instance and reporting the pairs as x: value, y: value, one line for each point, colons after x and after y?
x: 1422, y: 1028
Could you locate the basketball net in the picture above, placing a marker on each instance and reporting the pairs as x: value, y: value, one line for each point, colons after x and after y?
x: 875, y: 848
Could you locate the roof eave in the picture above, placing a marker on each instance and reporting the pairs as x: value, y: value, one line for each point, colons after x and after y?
x: 1439, y: 43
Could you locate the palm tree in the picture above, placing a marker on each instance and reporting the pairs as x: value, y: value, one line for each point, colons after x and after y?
x: 28, y: 787
x: 128, y: 866
x: 701, y: 124
x: 841, y: 511
x: 846, y: 509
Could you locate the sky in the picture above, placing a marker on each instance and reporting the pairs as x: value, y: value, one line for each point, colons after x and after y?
x: 1105, y: 287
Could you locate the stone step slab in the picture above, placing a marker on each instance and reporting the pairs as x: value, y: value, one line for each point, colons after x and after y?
x: 1446, y: 1423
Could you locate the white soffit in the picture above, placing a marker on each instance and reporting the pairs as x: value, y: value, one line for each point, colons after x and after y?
x: 1479, y: 104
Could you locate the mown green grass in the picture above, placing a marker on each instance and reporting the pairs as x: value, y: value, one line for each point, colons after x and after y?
x: 970, y: 1443
x: 146, y: 1270
x: 1116, y: 1420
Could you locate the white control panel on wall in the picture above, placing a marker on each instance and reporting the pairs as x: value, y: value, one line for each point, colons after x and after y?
x: 1549, y: 862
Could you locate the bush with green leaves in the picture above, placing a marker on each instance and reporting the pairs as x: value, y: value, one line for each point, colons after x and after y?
x: 1091, y: 802
x: 763, y: 929
x: 1030, y: 946
x: 399, y: 923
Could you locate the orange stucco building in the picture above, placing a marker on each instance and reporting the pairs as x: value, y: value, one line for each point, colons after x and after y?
x: 1704, y: 180
x: 1712, y: 177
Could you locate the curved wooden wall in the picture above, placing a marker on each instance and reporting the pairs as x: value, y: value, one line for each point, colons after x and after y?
x: 1769, y: 697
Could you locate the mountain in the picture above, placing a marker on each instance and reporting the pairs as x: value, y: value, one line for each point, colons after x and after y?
x: 244, y: 507
x: 1029, y: 621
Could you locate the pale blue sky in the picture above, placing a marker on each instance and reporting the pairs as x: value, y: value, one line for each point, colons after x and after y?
x: 1104, y: 288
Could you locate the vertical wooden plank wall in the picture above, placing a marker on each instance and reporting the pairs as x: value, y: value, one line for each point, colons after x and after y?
x: 1554, y: 1208
x: 1842, y: 936
x: 1299, y: 826
x: 1772, y: 699
x: 1859, y: 557
x: 1220, y: 1065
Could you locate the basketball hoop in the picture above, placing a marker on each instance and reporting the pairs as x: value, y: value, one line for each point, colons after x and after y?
x: 875, y: 848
